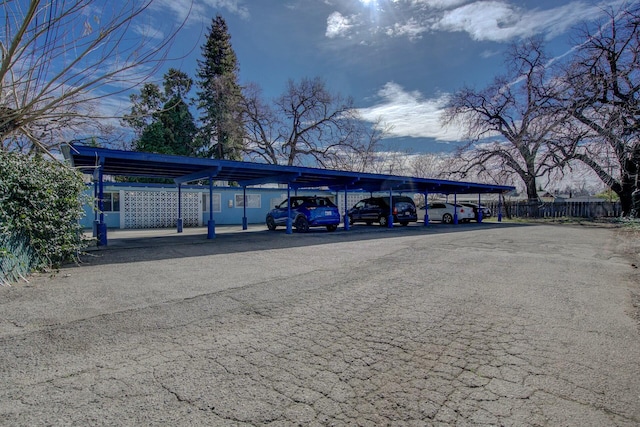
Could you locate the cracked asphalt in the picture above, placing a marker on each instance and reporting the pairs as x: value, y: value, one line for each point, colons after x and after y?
x: 492, y: 324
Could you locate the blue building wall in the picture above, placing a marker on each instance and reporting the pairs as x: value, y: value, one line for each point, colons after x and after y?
x: 228, y: 209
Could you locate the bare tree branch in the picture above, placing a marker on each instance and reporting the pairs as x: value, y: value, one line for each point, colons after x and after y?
x: 306, y: 124
x: 602, y: 94
x: 61, y: 58
x: 510, y: 123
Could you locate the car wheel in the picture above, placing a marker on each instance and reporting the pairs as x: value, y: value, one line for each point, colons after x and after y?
x: 271, y: 223
x: 332, y: 227
x: 350, y: 219
x: 447, y: 218
x: 302, y: 225
x: 404, y: 223
x: 383, y: 221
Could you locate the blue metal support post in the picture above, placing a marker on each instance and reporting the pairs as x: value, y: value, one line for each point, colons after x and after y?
x: 96, y: 209
x: 390, y: 219
x: 244, y: 208
x: 289, y: 228
x: 499, y: 207
x: 211, y: 225
x: 179, y: 222
x: 455, y: 208
x: 102, y: 226
x: 346, y: 211
x: 426, y: 208
x: 479, y: 210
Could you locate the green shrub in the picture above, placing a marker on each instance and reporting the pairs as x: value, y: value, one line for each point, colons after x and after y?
x: 39, y: 211
x: 17, y: 259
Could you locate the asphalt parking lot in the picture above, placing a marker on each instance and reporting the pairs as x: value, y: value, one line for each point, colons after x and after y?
x: 492, y: 324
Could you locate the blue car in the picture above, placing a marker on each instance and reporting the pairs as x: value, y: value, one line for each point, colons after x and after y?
x: 306, y: 212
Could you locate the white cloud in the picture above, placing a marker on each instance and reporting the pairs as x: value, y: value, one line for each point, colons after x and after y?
x: 181, y: 9
x: 412, y: 29
x: 490, y: 53
x: 501, y: 21
x: 410, y: 115
x: 199, y: 10
x: 440, y: 4
x: 149, y: 32
x: 233, y: 6
x: 492, y: 20
x: 337, y: 25
x: 482, y: 20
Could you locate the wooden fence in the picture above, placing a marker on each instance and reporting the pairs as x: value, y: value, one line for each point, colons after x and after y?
x: 583, y: 209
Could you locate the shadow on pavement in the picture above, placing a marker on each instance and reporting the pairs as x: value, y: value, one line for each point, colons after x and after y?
x: 131, y: 246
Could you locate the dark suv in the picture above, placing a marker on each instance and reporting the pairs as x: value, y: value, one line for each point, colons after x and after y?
x: 376, y: 209
x: 306, y: 211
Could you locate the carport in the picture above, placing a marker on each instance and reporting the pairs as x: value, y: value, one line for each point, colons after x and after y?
x: 99, y: 162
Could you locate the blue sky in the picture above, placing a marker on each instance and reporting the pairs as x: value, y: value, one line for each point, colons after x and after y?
x: 398, y: 59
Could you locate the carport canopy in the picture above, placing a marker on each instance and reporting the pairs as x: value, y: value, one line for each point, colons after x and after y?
x: 182, y: 170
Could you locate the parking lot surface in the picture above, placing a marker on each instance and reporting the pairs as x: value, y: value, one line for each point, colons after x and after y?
x: 491, y: 324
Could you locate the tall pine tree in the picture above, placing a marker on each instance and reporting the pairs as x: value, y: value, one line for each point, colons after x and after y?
x: 219, y: 99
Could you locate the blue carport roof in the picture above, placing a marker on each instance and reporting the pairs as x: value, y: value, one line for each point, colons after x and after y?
x: 183, y: 169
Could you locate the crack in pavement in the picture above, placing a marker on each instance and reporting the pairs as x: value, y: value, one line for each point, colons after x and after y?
x: 364, y: 345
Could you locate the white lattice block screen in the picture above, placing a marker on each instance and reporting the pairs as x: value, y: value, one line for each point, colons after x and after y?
x: 352, y: 199
x: 159, y: 209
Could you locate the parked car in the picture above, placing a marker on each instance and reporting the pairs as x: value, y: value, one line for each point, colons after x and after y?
x: 306, y: 212
x: 376, y: 209
x: 441, y: 211
x: 486, y: 212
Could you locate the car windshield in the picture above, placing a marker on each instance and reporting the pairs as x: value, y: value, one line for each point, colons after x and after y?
x: 322, y: 202
x: 308, y: 201
x: 284, y: 204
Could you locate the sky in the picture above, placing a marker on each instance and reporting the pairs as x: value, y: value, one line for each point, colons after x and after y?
x: 398, y: 59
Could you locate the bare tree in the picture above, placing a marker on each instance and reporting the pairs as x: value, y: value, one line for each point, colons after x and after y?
x: 429, y: 165
x: 306, y: 124
x: 392, y: 162
x: 59, y: 60
x: 603, y: 97
x: 262, y: 127
x: 364, y: 154
x: 509, y: 123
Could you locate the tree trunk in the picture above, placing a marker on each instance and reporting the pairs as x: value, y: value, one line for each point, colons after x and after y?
x: 625, y: 192
x: 628, y: 184
x: 532, y: 190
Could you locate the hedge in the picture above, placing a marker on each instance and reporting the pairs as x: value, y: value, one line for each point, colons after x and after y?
x: 40, y: 208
